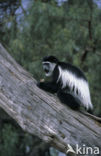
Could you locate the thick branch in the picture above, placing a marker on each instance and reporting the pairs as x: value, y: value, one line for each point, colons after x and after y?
x: 41, y: 114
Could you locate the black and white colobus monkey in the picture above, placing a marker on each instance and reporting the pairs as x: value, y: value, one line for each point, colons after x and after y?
x: 68, y: 82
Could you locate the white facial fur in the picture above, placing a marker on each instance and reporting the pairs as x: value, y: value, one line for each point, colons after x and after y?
x: 48, y: 66
x: 69, y: 79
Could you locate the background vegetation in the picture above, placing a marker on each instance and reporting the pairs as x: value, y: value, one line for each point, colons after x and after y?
x: 29, y: 30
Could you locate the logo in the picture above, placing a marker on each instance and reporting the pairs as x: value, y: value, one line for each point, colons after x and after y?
x: 83, y: 150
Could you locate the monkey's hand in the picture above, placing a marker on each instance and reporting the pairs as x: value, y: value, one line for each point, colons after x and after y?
x: 42, y: 80
x: 40, y: 84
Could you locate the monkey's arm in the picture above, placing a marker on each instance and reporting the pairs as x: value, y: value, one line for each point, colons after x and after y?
x: 51, y: 87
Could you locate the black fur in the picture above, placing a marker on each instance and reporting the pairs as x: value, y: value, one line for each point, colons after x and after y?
x: 48, y: 86
x: 64, y: 66
x: 56, y: 87
x: 78, y: 73
x: 50, y: 59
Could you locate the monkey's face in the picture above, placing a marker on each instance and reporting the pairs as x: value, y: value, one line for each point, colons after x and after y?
x: 48, y: 67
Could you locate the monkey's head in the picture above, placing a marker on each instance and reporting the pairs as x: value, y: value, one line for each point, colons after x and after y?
x: 49, y: 63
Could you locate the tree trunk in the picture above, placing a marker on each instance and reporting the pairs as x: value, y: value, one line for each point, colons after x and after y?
x: 42, y: 114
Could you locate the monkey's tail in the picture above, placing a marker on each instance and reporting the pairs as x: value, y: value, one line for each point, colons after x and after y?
x: 92, y: 116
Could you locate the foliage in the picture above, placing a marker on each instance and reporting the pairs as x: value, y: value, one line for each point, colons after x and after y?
x: 9, y: 140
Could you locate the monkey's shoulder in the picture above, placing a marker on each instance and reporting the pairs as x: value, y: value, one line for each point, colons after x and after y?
x: 72, y: 69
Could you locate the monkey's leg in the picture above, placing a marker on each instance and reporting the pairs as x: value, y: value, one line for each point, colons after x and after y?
x: 68, y: 99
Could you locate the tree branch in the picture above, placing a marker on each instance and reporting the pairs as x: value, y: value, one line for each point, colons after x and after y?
x: 41, y: 114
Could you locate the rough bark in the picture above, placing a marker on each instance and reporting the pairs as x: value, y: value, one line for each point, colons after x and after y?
x: 42, y: 114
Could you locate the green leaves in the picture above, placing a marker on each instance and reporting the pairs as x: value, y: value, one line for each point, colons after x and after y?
x: 9, y: 139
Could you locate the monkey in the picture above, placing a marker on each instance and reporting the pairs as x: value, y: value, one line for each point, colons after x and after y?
x: 70, y: 84
x: 68, y: 81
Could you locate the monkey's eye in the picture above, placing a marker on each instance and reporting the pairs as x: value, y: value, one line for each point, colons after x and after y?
x: 46, y: 63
